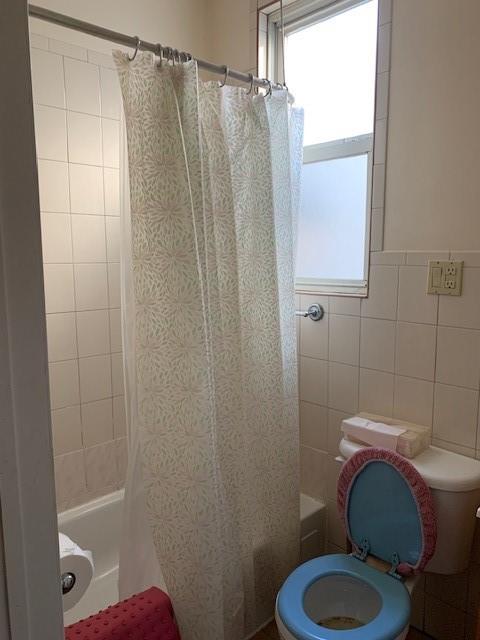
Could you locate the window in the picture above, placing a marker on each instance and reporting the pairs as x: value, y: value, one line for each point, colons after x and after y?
x: 330, y: 68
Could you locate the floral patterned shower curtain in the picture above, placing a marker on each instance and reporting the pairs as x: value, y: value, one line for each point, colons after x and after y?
x: 212, y: 374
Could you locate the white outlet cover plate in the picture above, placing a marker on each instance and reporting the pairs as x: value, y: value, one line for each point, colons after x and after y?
x: 445, y: 277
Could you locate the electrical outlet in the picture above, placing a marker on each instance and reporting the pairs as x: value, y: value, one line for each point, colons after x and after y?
x: 445, y: 277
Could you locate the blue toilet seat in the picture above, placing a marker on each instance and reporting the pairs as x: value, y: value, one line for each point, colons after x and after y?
x: 391, y: 620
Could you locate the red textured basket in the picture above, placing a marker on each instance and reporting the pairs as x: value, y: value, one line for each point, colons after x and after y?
x: 418, y: 487
x: 145, y: 616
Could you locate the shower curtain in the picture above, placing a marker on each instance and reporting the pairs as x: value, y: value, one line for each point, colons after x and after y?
x: 212, y: 495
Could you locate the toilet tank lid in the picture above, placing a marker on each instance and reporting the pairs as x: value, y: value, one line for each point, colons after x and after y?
x: 441, y: 469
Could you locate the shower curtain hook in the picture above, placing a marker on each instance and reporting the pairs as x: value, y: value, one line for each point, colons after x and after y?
x: 159, y: 53
x: 270, y: 88
x: 250, y: 75
x: 137, y: 47
x: 227, y: 71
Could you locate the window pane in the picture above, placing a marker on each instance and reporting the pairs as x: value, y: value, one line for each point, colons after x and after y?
x: 330, y: 69
x: 331, y: 229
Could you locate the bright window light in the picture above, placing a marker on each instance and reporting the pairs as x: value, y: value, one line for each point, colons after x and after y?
x: 330, y: 69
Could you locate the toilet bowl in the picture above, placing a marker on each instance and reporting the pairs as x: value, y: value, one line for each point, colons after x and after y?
x: 390, y: 518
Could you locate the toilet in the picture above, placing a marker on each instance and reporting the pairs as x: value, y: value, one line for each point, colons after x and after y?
x: 401, y: 517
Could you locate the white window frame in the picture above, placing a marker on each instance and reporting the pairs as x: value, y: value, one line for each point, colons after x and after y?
x: 297, y: 16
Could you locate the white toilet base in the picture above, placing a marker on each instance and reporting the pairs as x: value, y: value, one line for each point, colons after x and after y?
x: 286, y: 635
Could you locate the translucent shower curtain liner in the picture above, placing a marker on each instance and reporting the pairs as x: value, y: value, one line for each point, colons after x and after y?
x: 209, y: 213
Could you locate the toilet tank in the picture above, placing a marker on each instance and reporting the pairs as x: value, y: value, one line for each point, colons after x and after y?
x: 454, y: 481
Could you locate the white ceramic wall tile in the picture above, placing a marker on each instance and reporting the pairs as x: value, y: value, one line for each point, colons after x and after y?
x: 313, y: 426
x: 415, y: 350
x: 110, y: 92
x: 70, y: 483
x: 376, y: 392
x: 102, y: 59
x: 378, y: 186
x: 376, y: 230
x: 381, y: 105
x: 88, y: 235
x: 82, y: 86
x: 114, y: 284
x: 113, y: 238
x: 119, y: 417
x: 117, y: 374
x: 413, y: 400
x: 91, y: 290
x: 414, y: 304
x: 61, y: 336
x: 344, y: 339
x: 86, y: 189
x: 334, y: 429
x: 93, y: 331
x: 313, y: 380
x: 335, y: 529
x: 84, y: 138
x: 63, y: 384
x: 377, y: 344
x: 122, y: 459
x: 95, y: 378
x: 455, y: 415
x: 343, y: 305
x: 101, y: 467
x: 53, y: 186
x: 313, y: 472
x: 66, y: 430
x: 458, y: 357
x: 343, y: 387
x: 111, y: 181
x: 463, y: 311
x: 38, y: 41
x: 58, y: 283
x: 314, y: 338
x: 50, y: 133
x: 382, y: 295
x: 56, y: 237
x: 422, y: 258
x: 383, y: 48
x: 384, y: 11
x: 68, y: 50
x: 469, y: 258
x: 380, y: 148
x: 111, y: 142
x: 115, y: 331
x: 97, y: 422
x: 47, y: 78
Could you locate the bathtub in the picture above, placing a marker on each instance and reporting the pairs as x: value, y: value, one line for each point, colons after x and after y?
x: 96, y: 526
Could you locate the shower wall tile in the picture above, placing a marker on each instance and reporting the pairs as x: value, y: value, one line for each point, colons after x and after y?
x: 56, y: 237
x: 47, y: 79
x: 61, y: 336
x: 53, y: 186
x: 77, y: 110
x: 91, y: 287
x: 86, y: 189
x: 88, y: 236
x: 51, y: 133
x: 84, y: 138
x: 82, y: 86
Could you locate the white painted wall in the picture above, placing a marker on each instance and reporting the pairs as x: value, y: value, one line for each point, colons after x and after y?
x: 231, y: 33
x: 179, y: 23
x: 433, y: 186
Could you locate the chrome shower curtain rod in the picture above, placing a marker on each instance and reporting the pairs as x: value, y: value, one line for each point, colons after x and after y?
x: 135, y: 42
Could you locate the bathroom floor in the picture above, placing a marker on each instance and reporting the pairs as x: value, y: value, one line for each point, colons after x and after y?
x: 271, y: 633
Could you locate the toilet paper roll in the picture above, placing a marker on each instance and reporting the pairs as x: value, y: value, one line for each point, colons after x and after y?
x: 77, y: 562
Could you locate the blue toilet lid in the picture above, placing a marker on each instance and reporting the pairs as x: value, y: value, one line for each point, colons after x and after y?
x: 384, y: 500
x: 387, y: 625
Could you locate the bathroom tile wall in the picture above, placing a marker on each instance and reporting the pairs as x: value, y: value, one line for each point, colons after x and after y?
x: 399, y: 353
x: 77, y: 109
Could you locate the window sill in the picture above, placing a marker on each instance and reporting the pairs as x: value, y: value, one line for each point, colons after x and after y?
x: 333, y: 289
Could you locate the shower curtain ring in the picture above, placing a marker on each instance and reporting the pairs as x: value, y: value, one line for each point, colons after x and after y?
x: 227, y: 71
x: 250, y: 75
x: 270, y: 88
x: 137, y: 47
x: 159, y: 53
